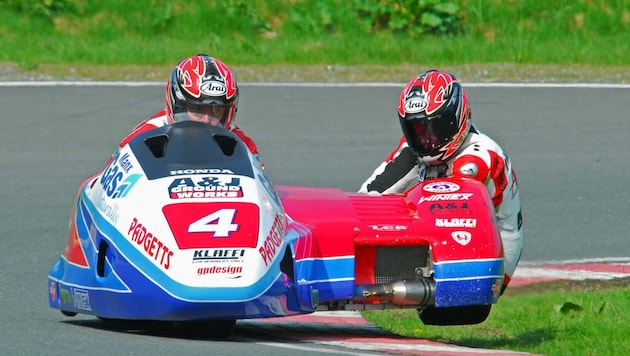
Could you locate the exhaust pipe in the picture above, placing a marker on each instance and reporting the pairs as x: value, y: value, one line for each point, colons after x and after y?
x: 420, y: 292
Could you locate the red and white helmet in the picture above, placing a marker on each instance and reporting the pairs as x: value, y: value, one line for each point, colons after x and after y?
x: 434, y: 116
x: 199, y: 83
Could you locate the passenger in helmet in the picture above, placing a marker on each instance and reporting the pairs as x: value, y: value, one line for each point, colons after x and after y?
x: 440, y: 141
x: 201, y: 88
x: 434, y: 116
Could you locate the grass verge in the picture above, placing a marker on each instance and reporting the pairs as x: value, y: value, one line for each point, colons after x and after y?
x: 555, y: 318
x: 323, y: 41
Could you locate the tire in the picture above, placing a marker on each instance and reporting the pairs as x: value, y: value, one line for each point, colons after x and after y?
x: 465, y: 315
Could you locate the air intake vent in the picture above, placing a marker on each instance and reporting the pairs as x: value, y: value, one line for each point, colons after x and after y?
x: 400, y: 263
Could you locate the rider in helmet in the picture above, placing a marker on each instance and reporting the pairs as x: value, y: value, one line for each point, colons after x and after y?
x: 440, y: 141
x: 201, y: 88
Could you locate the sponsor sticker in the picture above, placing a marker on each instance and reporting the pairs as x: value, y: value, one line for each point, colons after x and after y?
x: 273, y: 241
x: 213, y: 88
x: 461, y: 237
x: 443, y: 197
x: 219, y: 255
x: 453, y: 208
x: 456, y: 222
x: 53, y: 290
x: 81, y: 299
x: 205, y: 187
x: 179, y: 172
x: 388, y: 227
x: 230, y: 270
x: 150, y: 243
x: 116, y: 180
x: 441, y: 187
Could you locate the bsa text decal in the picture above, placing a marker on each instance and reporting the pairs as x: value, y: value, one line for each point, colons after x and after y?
x: 206, y: 187
x: 441, y: 187
x: 456, y: 222
x: 150, y: 243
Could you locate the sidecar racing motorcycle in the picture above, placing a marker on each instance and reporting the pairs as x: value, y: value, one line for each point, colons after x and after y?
x: 184, y: 225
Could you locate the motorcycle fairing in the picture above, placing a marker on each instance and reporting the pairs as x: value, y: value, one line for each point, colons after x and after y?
x: 406, y: 220
x: 313, y: 245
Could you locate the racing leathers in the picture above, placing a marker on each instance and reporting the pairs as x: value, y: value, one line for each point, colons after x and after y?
x: 161, y: 119
x: 479, y: 157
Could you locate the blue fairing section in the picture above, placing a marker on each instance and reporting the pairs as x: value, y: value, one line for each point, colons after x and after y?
x: 469, y: 282
x: 154, y: 303
x: 85, y: 276
x: 332, y: 277
x: 137, y: 289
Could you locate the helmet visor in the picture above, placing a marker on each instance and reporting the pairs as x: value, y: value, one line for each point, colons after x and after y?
x: 211, y: 114
x: 425, y: 134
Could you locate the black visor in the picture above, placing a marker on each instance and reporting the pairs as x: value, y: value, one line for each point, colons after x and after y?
x: 426, y: 134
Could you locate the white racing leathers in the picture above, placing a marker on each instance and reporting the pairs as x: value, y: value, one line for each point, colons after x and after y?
x: 479, y: 157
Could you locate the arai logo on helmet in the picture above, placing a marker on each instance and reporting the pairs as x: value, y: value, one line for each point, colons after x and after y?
x: 415, y: 105
x: 441, y: 187
x: 213, y: 88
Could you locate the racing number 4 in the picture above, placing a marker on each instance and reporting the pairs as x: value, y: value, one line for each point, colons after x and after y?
x: 220, y: 223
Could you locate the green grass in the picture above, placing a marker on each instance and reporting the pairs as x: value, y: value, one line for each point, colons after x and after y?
x: 148, y: 32
x: 548, y: 319
x: 327, y: 40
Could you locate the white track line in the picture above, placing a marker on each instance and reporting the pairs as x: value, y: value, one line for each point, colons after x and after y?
x: 58, y: 83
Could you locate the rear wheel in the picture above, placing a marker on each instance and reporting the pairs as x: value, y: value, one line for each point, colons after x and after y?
x: 464, y: 315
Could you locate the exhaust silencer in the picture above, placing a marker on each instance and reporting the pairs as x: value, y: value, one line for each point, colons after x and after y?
x: 420, y: 292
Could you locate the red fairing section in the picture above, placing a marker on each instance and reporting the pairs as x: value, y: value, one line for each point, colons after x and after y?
x: 460, y: 224
x: 181, y: 217
x: 328, y: 213
x: 453, y: 215
x: 73, y: 251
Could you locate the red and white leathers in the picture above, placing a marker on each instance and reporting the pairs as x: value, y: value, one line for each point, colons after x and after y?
x: 161, y: 119
x: 479, y: 157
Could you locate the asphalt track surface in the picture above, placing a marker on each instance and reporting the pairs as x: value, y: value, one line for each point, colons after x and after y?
x: 569, y: 147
